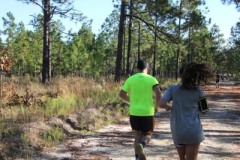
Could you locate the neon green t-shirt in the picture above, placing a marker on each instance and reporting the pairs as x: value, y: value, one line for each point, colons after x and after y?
x: 140, y: 90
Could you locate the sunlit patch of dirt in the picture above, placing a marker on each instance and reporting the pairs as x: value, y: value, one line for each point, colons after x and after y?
x: 115, y: 142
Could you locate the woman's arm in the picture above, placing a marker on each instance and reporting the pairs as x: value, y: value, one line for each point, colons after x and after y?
x: 164, y: 104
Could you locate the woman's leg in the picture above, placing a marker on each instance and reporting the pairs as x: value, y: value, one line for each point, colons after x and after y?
x: 181, y: 151
x: 192, y: 151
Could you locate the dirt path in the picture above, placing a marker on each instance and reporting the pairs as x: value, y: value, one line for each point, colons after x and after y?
x: 221, y: 126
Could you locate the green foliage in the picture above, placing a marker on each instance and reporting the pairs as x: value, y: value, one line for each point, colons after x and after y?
x: 164, y: 83
x: 53, y: 136
x: 95, y: 104
x: 1, y: 124
x: 86, y: 54
x: 60, y: 106
x: 236, y: 2
x: 17, y: 143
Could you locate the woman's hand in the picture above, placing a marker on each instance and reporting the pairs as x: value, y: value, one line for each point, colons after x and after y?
x: 164, y: 104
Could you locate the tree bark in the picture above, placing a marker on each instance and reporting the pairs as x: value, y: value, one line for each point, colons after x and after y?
x: 139, y: 39
x: 46, y: 65
x: 155, y: 49
x: 129, y: 39
x: 118, y: 68
x: 179, y: 41
x: 124, y: 54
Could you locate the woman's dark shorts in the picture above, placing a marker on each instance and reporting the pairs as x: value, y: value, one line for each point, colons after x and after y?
x: 142, y: 123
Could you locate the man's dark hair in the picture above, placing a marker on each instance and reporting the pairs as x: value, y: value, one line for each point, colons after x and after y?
x: 141, y: 65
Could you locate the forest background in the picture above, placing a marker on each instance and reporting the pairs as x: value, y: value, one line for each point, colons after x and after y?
x: 86, y: 53
x: 50, y: 72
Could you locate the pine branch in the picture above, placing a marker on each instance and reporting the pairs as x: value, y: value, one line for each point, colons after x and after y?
x: 153, y: 28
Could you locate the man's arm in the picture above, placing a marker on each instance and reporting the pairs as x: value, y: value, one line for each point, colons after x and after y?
x: 124, y: 95
x: 158, y: 95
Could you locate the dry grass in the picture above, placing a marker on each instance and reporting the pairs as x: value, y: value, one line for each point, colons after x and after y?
x: 29, y: 103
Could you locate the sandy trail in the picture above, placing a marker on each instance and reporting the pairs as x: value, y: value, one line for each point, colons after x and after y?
x: 115, y: 142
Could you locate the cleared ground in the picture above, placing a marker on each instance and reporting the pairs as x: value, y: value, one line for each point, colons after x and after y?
x: 115, y: 142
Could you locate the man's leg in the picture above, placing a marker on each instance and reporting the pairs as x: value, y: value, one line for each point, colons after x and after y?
x: 138, y: 139
x: 148, y: 128
x: 136, y: 127
x: 143, y: 128
x: 139, y: 145
x: 146, y: 138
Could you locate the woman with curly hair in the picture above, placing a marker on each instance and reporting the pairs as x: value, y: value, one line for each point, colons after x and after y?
x: 186, y: 127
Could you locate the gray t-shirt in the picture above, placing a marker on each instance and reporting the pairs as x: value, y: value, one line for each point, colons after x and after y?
x: 186, y: 126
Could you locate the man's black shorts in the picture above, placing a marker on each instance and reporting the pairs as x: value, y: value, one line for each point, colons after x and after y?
x: 142, y: 123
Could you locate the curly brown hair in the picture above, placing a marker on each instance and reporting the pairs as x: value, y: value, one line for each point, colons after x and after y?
x: 193, y: 74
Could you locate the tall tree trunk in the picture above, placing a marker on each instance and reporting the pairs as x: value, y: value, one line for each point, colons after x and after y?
x: 189, y: 46
x: 129, y: 38
x: 118, y: 68
x: 179, y: 41
x: 155, y: 49
x: 139, y: 39
x: 46, y: 74
x: 124, y: 53
x: 49, y: 71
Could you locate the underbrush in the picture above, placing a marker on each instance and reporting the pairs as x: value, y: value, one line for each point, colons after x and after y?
x: 165, y: 82
x: 53, y: 136
x: 34, y: 116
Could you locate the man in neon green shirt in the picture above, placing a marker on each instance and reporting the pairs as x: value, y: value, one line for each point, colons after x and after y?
x: 139, y: 90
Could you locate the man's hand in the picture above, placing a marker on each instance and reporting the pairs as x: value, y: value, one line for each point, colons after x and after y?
x: 156, y: 109
x: 158, y: 93
x: 124, y: 95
